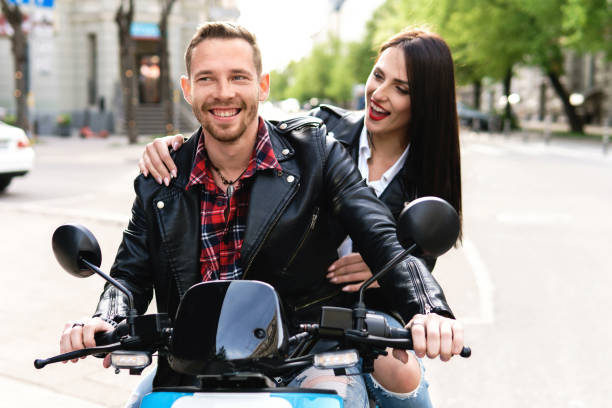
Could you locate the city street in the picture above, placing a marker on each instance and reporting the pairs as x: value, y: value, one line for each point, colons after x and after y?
x: 531, y: 280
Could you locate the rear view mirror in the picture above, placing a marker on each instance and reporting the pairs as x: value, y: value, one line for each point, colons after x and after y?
x: 431, y: 223
x: 70, y: 243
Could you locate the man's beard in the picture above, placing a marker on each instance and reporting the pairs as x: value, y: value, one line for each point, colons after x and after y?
x: 217, y: 132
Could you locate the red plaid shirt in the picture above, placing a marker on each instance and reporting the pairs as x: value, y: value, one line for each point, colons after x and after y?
x: 222, y: 237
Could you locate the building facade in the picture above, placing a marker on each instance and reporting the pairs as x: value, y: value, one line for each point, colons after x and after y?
x: 587, y: 78
x: 74, y: 61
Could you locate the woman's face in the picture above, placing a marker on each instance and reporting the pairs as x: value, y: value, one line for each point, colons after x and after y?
x: 387, y: 96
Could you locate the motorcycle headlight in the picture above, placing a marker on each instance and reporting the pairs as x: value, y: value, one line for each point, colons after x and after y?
x: 336, y: 359
x: 130, y: 359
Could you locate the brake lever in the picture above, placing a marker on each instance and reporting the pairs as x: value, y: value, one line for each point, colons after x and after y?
x: 42, y: 362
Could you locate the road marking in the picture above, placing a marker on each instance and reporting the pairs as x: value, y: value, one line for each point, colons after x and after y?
x: 484, y: 284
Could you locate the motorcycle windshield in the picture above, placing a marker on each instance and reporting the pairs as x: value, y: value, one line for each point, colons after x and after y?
x: 220, y: 325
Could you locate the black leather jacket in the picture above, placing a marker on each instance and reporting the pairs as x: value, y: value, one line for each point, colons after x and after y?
x: 290, y: 237
x: 346, y: 126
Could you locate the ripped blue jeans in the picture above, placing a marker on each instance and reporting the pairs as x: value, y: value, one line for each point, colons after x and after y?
x: 356, y: 390
x: 418, y: 398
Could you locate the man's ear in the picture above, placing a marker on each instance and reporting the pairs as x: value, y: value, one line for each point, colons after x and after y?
x: 186, y: 87
x: 264, y: 86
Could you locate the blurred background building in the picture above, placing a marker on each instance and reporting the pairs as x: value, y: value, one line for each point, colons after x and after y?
x: 74, y: 61
x: 588, y: 78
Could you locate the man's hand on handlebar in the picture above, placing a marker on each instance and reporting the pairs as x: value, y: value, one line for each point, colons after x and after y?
x: 433, y: 336
x: 80, y: 334
x: 156, y: 159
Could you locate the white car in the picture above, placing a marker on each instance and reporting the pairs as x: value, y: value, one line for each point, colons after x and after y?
x: 16, y: 154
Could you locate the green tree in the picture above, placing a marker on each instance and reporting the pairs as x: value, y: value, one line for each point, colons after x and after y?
x: 490, y: 37
x: 127, y: 65
x: 164, y: 65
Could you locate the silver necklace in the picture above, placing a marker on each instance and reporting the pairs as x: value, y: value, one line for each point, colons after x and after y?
x: 229, y: 183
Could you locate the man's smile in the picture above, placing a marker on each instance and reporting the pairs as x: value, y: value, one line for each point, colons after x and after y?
x: 225, y: 112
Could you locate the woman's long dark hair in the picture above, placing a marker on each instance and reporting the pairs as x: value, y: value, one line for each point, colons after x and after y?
x: 434, y: 165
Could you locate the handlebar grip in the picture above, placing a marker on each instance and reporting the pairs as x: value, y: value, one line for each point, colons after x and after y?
x: 112, y: 336
x: 399, y: 333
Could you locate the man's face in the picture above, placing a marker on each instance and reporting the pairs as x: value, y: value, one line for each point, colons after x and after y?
x: 224, y: 89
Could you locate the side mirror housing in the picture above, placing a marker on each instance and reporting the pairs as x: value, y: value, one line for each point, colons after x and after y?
x: 431, y: 223
x: 70, y: 243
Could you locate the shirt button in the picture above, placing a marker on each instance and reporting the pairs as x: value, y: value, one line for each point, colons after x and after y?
x: 290, y: 179
x: 160, y: 204
x: 282, y: 126
x: 285, y: 152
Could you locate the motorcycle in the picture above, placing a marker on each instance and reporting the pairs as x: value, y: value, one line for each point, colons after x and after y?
x: 240, y: 349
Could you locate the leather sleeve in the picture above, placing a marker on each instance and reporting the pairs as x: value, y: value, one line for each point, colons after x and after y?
x: 410, y: 286
x: 131, y: 267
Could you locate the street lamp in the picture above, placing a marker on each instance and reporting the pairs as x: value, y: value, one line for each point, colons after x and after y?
x: 514, y: 98
x: 576, y: 99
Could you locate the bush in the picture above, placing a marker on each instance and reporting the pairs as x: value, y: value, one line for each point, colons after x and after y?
x: 63, y: 119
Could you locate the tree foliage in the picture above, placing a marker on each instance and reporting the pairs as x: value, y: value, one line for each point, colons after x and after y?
x: 328, y: 73
x: 488, y: 39
x: 127, y: 67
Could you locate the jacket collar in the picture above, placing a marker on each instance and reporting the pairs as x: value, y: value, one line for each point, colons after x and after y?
x: 347, y: 129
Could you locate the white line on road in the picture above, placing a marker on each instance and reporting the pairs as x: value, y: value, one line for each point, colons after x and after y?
x: 483, y: 283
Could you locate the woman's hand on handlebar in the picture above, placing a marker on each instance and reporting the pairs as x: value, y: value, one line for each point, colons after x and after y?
x: 432, y: 336
x: 350, y: 268
x: 78, y: 335
x: 156, y: 160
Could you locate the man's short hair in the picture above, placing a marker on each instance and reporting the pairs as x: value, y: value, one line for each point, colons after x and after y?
x: 223, y: 30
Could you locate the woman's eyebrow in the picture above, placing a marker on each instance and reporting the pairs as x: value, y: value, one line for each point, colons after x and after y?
x: 396, y: 80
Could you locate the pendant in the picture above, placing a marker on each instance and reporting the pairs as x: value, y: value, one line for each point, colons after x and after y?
x: 230, y: 191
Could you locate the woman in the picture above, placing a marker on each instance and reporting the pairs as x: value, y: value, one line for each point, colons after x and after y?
x: 406, y: 145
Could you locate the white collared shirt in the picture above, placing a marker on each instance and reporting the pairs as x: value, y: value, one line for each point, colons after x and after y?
x: 379, y: 185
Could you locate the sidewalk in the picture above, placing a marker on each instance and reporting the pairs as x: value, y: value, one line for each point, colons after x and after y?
x: 563, y: 127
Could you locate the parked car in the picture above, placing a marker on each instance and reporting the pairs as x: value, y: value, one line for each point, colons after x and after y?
x: 474, y: 118
x: 16, y: 154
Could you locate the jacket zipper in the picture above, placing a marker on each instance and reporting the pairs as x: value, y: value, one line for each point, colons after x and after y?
x: 315, y: 215
x: 424, y: 299
x: 296, y: 308
x: 274, y: 222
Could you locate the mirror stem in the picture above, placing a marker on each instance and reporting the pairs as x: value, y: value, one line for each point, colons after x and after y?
x: 359, y: 311
x: 132, y: 313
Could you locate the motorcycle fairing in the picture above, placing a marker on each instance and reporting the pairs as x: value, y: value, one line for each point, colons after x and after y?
x: 221, y: 325
x: 241, y: 399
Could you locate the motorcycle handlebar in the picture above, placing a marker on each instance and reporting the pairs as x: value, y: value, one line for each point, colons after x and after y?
x: 399, y: 333
x: 112, y: 336
x: 105, y: 343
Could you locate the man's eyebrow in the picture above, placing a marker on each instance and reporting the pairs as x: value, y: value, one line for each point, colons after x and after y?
x: 241, y: 71
x: 203, y: 72
x: 233, y: 71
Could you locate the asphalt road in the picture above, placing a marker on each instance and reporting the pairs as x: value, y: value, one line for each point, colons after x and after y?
x: 530, y: 281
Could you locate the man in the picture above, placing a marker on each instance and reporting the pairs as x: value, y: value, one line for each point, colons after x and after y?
x: 252, y: 200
